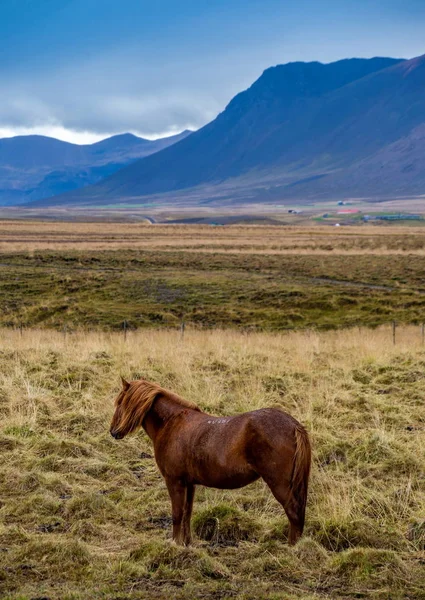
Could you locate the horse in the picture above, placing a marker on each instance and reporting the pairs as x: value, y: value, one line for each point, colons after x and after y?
x: 195, y: 448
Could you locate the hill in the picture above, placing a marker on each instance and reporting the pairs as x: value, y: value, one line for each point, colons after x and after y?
x: 303, y: 130
x: 34, y: 167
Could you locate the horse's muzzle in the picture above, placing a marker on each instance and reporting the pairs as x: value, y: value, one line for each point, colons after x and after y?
x: 116, y: 434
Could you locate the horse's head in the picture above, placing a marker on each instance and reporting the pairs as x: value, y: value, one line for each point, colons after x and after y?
x: 131, y: 406
x: 120, y: 425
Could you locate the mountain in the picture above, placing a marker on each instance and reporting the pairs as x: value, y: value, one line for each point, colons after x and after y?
x: 353, y: 128
x: 302, y: 131
x: 34, y: 167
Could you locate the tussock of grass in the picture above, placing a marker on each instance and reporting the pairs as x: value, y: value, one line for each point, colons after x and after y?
x: 310, y: 551
x: 339, y: 534
x: 377, y: 567
x: 168, y: 559
x: 55, y: 554
x: 62, y: 448
x: 225, y: 525
x: 84, y: 516
x: 87, y: 530
x: 13, y: 535
x: 88, y: 506
x: 31, y: 508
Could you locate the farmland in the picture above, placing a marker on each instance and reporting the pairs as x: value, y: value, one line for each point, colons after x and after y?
x: 85, y: 516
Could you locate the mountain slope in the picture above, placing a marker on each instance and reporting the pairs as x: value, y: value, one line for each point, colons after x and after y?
x: 258, y: 128
x: 33, y: 167
x: 301, y: 130
x: 34, y: 151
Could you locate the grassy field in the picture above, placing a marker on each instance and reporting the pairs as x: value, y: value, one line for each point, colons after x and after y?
x: 84, y: 516
x: 252, y: 277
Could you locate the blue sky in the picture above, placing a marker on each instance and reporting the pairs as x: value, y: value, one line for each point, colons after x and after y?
x: 83, y: 69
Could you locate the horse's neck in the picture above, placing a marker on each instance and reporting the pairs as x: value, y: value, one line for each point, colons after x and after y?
x: 162, y: 410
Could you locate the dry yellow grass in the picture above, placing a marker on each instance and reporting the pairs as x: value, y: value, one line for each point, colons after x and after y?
x: 20, y: 236
x: 84, y: 516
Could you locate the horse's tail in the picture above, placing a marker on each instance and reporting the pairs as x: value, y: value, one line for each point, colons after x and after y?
x: 301, y: 471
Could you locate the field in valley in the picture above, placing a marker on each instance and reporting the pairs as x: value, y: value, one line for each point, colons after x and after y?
x: 85, y: 516
x: 98, y: 275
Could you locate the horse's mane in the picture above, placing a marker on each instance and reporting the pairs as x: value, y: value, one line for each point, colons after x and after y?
x: 139, y: 399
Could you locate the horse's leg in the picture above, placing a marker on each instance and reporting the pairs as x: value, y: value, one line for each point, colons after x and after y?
x: 177, y: 493
x: 295, y: 513
x: 279, y: 482
x: 187, y: 513
x: 276, y: 468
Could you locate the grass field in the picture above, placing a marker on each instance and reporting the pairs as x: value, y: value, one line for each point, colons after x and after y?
x: 259, y: 277
x: 84, y: 516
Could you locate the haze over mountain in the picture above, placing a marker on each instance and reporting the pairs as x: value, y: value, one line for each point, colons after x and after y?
x: 34, y: 167
x: 355, y: 127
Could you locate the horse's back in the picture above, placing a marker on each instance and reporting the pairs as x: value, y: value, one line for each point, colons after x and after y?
x: 273, y: 422
x: 271, y: 440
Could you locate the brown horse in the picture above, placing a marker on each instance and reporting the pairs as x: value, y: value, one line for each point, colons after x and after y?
x: 193, y: 447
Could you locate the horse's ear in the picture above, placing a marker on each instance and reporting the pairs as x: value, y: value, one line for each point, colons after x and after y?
x: 125, y: 384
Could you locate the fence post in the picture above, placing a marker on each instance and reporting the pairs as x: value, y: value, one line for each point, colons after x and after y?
x: 423, y: 333
x: 64, y: 332
x: 394, y: 328
x: 182, y: 328
x: 124, y: 326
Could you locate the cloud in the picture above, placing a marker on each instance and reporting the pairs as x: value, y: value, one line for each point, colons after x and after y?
x: 58, y: 132
x: 120, y: 91
x: 111, y: 94
x: 154, y: 69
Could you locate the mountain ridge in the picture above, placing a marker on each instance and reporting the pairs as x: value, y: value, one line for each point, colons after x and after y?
x: 301, y: 131
x: 29, y: 163
x: 285, y: 130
